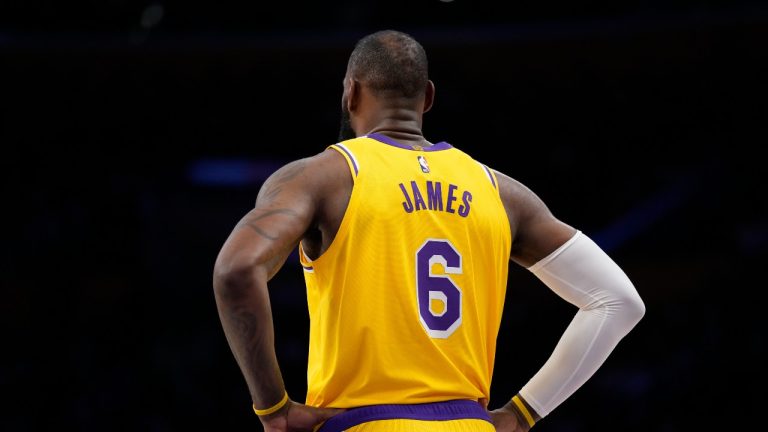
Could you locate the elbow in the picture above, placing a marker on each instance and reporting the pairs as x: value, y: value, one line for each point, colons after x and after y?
x: 632, y: 308
x: 232, y: 279
x: 624, y: 308
x: 635, y: 309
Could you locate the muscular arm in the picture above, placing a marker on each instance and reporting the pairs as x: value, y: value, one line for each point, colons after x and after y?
x: 535, y: 231
x: 578, y: 271
x: 257, y: 247
x: 305, y: 197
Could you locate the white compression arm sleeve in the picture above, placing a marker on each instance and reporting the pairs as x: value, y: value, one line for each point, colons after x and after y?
x: 580, y: 272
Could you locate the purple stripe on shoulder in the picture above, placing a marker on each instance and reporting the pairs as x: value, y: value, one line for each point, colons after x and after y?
x: 490, y: 176
x: 436, y: 411
x: 442, y: 145
x: 309, y: 268
x: 349, y: 155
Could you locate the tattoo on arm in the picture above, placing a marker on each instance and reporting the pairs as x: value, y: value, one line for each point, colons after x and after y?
x: 251, y: 222
x: 274, y: 185
x: 249, y: 334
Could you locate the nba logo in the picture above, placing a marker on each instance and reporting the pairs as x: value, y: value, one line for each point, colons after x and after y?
x: 423, y: 164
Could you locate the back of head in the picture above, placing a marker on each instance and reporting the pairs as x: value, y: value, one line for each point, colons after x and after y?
x: 391, y: 62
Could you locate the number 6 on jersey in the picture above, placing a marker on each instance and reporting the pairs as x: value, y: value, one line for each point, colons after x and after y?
x: 438, y: 297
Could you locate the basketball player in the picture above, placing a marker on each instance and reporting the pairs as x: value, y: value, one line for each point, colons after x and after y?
x: 405, y: 246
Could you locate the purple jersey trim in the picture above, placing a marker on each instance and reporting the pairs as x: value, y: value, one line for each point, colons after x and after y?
x: 490, y: 176
x: 442, y: 145
x: 436, y: 411
x: 349, y: 155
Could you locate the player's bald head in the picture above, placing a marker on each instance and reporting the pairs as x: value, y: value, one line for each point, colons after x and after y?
x: 390, y: 61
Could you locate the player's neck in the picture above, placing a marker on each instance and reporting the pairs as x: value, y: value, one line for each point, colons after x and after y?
x: 403, y: 126
x: 413, y: 139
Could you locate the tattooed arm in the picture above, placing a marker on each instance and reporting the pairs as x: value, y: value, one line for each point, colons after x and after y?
x: 289, y: 205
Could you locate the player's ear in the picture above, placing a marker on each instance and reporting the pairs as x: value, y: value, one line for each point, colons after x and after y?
x: 353, y: 94
x: 429, y: 95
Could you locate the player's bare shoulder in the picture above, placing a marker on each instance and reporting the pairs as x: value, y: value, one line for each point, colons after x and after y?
x: 333, y: 167
x: 334, y: 183
x: 536, y: 231
x: 319, y: 187
x: 519, y: 200
x: 312, y: 176
x: 329, y: 175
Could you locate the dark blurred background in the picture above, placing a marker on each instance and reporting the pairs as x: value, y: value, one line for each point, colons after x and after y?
x: 136, y: 133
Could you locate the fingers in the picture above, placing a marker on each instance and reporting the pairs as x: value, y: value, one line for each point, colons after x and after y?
x: 326, y: 413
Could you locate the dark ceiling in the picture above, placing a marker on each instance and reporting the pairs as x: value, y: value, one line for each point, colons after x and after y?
x: 308, y: 16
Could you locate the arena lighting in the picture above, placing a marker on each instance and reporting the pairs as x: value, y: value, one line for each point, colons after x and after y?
x: 233, y: 172
x: 152, y: 16
x: 639, y: 219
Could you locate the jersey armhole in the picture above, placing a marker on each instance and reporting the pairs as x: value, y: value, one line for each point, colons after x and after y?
x: 491, y: 176
x: 354, y: 167
x: 305, y: 261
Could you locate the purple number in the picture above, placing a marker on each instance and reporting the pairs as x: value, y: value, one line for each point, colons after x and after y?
x: 440, y: 287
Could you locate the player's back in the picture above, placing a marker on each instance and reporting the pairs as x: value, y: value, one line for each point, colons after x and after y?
x: 405, y: 304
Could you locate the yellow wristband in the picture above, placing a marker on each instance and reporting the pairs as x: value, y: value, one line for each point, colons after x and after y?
x: 270, y: 410
x: 521, y: 406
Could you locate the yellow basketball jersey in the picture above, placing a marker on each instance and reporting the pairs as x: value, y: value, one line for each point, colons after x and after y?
x: 406, y: 303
